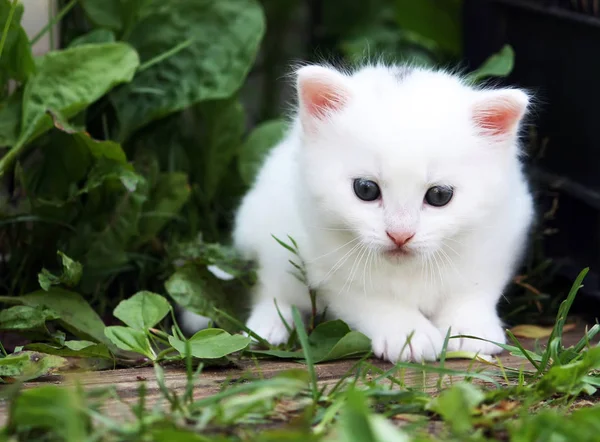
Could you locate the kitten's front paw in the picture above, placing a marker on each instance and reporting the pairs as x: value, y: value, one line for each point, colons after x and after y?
x: 269, y: 327
x: 481, y: 326
x: 395, y: 343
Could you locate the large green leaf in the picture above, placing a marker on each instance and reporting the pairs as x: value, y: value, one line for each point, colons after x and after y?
x: 10, y: 119
x: 224, y: 126
x: 143, y: 310
x: 206, y: 48
x: 24, y: 317
x: 171, y: 191
x: 439, y: 21
x: 68, y: 81
x: 75, y: 349
x: 16, y: 61
x: 117, y: 15
x: 211, y: 343
x: 258, y: 144
x: 71, y: 308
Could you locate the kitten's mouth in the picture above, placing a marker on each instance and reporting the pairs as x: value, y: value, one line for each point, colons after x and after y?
x: 398, y: 252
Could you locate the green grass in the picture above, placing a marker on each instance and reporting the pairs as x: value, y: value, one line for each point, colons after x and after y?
x: 554, y: 400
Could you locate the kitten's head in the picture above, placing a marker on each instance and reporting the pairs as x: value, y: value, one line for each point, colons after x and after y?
x: 406, y: 159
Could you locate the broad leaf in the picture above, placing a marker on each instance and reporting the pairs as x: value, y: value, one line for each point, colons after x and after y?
x: 224, y: 126
x: 143, y: 310
x: 74, y: 349
x: 130, y: 339
x: 329, y: 341
x: 499, y: 64
x: 117, y: 15
x: 24, y: 317
x: 16, y: 61
x: 196, y: 289
x: 10, y: 119
x: 70, y: 275
x: 71, y: 308
x: 211, y: 343
x: 262, y: 139
x: 94, y: 37
x: 206, y: 48
x: 27, y: 365
x: 70, y: 80
x: 170, y: 193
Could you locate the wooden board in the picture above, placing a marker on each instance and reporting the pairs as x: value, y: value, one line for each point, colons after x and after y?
x: 126, y: 382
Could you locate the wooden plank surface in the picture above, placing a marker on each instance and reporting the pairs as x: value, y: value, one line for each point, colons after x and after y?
x: 126, y: 382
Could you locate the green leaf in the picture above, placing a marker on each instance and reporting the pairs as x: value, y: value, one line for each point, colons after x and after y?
x: 74, y: 349
x: 329, y: 341
x: 224, y: 37
x: 225, y: 124
x: 16, y: 60
x: 130, y: 339
x: 143, y: 310
x: 71, y: 308
x: 57, y: 412
x: 70, y: 276
x: 112, y: 14
x: 457, y: 406
x: 254, y: 151
x: 169, y: 195
x: 23, y: 317
x: 438, y: 21
x: 499, y: 64
x: 27, y: 365
x: 96, y: 36
x: 211, y: 343
x: 68, y: 81
x: 196, y: 289
x: 10, y: 119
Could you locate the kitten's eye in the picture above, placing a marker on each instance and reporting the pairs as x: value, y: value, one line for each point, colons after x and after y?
x: 438, y: 196
x: 366, y: 190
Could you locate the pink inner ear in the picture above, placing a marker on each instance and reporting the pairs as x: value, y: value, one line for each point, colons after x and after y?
x: 320, y: 97
x: 500, y: 116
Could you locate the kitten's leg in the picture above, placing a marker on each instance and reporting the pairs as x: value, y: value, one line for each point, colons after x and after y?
x: 471, y: 314
x: 398, y: 332
x: 276, y: 292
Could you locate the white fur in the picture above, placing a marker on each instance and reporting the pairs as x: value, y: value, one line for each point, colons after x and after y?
x: 406, y: 133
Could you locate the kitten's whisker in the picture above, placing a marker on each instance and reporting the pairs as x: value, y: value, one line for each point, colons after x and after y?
x: 333, y: 251
x: 340, y: 262
x: 354, y: 269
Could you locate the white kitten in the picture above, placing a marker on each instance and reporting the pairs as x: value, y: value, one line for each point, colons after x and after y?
x: 403, y: 188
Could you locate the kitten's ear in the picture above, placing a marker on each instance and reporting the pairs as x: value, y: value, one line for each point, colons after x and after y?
x: 498, y: 113
x: 321, y: 91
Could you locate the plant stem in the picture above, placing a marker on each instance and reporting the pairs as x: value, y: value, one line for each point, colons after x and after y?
x: 13, y: 7
x: 53, y: 22
x: 174, y: 50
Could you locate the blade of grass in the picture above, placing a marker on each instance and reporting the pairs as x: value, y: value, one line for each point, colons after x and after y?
x: 51, y: 22
x: 303, y: 337
x: 561, y: 317
x: 11, y: 13
x: 525, y: 352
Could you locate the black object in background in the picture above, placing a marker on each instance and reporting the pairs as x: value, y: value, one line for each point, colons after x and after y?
x: 557, y: 57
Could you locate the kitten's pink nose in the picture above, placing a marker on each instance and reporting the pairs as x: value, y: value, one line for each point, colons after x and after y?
x: 400, y: 238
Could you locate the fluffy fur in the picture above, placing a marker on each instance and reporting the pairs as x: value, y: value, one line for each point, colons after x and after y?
x: 407, y: 130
